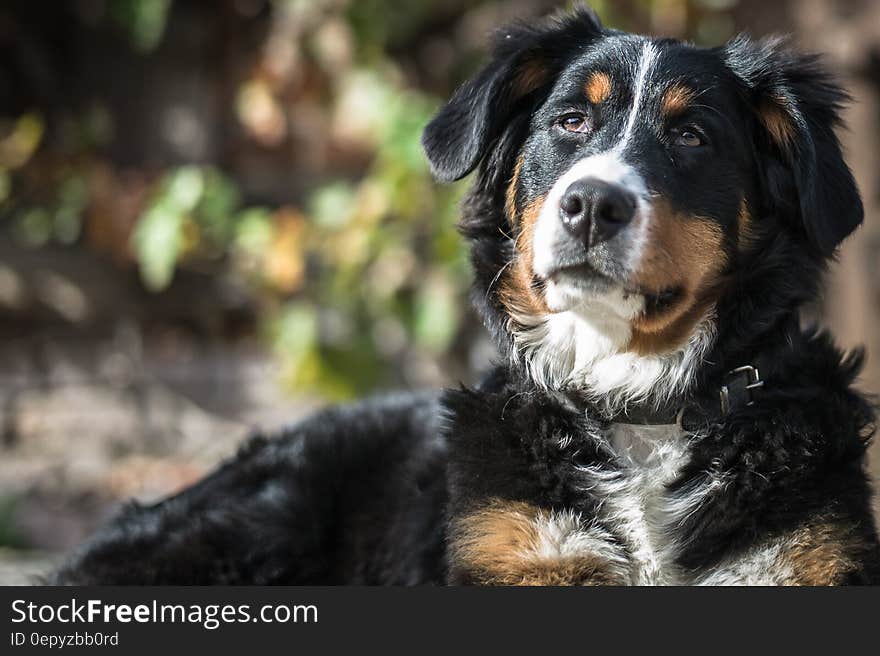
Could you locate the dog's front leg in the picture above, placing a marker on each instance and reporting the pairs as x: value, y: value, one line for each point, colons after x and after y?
x: 519, y: 511
x: 517, y: 543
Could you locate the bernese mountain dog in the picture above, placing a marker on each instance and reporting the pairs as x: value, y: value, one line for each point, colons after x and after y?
x: 645, y: 221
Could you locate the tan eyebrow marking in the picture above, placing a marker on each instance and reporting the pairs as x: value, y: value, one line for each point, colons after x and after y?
x: 675, y: 100
x: 598, y: 87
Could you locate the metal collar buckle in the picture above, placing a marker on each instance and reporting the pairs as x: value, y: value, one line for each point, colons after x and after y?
x: 753, y: 382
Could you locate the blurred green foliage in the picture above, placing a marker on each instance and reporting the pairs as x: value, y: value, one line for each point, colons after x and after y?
x: 143, y: 20
x: 355, y: 275
x: 9, y: 536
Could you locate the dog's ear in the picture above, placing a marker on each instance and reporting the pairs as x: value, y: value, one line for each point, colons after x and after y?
x: 525, y: 60
x: 798, y: 105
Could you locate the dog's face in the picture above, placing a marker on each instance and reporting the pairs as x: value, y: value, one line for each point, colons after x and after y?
x: 630, y: 185
x: 632, y: 189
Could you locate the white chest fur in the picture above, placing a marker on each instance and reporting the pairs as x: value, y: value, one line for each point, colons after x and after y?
x: 637, y: 524
x: 636, y: 505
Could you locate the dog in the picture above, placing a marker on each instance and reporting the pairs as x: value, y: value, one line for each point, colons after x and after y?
x: 646, y: 219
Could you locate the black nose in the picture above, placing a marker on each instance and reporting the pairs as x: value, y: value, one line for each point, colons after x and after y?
x: 594, y: 211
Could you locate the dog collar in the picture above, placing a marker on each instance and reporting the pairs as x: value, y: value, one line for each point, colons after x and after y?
x: 739, y: 388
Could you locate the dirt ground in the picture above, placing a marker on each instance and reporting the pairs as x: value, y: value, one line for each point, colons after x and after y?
x: 77, y: 442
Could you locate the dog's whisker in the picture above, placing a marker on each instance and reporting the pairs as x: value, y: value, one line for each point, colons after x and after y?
x: 498, y: 277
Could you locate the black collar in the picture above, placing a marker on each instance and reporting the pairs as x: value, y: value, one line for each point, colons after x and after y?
x: 739, y: 387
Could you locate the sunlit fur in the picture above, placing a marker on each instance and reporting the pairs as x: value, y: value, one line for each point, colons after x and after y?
x: 588, y: 353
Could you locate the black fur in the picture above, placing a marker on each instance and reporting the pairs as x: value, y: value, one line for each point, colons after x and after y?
x: 829, y: 203
x: 263, y: 517
x: 363, y: 494
x: 459, y: 137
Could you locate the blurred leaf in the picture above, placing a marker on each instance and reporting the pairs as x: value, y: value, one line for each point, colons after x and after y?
x: 9, y: 535
x: 362, y: 105
x: 377, y: 24
x: 331, y: 206
x: 285, y: 258
x: 182, y: 189
x: 34, y: 227
x: 158, y: 237
x: 19, y: 145
x: 405, y: 119
x: 98, y: 125
x: 260, y: 113
x: 351, y: 371
x: 253, y: 231
x: 295, y: 337
x: 72, y: 199
x: 436, y: 314
x: 157, y: 241
x: 217, y: 206
x: 5, y: 186
x: 144, y: 20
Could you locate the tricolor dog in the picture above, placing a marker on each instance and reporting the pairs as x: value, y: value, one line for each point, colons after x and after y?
x: 646, y: 219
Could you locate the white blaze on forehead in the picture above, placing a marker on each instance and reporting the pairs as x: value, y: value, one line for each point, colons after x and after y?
x: 609, y: 166
x: 647, y: 61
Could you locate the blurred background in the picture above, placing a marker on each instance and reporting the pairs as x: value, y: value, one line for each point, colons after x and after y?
x: 216, y: 216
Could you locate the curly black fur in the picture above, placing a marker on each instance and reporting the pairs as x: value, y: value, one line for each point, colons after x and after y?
x: 264, y: 516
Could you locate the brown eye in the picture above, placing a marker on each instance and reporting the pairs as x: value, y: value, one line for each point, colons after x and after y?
x: 574, y: 123
x: 688, y: 139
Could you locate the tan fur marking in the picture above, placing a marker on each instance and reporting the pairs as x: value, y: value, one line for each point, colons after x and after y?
x: 820, y: 554
x: 500, y: 545
x: 777, y: 121
x: 531, y: 75
x: 516, y: 289
x: 647, y: 340
x: 676, y: 100
x: 510, y: 196
x: 685, y: 253
x: 598, y: 87
x: 745, y: 230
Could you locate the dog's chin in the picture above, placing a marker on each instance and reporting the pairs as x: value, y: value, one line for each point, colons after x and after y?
x: 587, y: 292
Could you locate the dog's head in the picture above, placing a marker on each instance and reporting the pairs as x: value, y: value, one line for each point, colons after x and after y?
x: 631, y: 191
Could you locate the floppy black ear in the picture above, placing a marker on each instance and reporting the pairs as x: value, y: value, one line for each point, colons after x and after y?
x: 525, y: 59
x: 798, y: 104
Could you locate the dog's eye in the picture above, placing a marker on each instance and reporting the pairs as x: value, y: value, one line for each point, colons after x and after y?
x: 688, y: 139
x: 574, y: 123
